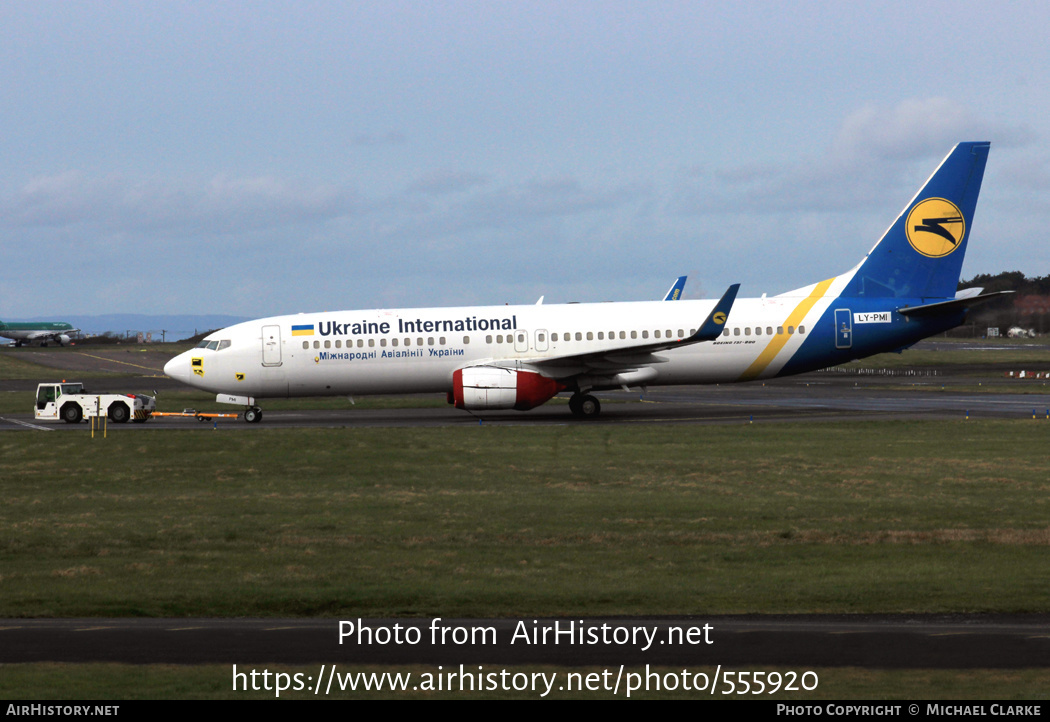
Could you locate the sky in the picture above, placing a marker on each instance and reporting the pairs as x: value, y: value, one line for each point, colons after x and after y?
x: 261, y: 158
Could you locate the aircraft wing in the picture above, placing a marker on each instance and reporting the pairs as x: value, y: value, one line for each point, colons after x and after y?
x: 635, y: 356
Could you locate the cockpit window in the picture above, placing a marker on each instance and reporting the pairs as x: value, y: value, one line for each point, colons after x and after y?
x: 214, y: 345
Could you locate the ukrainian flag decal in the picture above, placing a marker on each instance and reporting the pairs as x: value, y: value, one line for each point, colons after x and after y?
x: 306, y: 329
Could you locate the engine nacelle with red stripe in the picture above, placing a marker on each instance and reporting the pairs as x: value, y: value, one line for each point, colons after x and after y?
x: 491, y: 387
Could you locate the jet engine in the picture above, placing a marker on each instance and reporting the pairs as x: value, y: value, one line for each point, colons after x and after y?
x: 491, y: 387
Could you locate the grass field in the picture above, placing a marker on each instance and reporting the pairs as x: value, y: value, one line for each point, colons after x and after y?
x: 483, y: 521
x: 487, y: 521
x: 1007, y: 352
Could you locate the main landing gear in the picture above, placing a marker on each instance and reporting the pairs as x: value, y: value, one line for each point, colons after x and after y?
x: 253, y: 414
x: 584, y: 406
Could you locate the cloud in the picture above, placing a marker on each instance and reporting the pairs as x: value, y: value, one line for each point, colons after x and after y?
x: 221, y: 205
x: 878, y: 157
x: 392, y: 137
x: 917, y: 128
x: 514, y: 206
x: 443, y: 182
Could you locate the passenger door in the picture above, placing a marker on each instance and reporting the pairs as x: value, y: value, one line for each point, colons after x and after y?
x: 271, y: 345
x: 843, y: 328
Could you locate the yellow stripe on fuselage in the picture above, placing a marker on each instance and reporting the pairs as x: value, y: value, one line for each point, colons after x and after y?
x: 777, y: 343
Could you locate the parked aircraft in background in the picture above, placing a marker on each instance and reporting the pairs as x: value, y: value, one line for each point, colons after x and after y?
x: 519, y: 357
x: 675, y: 291
x: 42, y: 332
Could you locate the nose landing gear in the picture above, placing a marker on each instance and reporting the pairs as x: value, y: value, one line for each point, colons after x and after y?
x: 253, y: 414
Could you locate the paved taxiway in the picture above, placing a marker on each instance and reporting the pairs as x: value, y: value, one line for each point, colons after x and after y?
x: 815, y: 397
x: 798, y: 642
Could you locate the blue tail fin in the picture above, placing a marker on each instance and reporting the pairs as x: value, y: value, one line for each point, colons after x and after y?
x: 921, y: 254
x: 675, y: 291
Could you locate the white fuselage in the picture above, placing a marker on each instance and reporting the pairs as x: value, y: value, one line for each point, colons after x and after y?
x: 417, y: 350
x: 497, y: 357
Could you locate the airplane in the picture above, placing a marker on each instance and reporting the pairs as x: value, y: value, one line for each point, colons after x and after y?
x: 675, y: 291
x: 42, y: 331
x: 519, y: 357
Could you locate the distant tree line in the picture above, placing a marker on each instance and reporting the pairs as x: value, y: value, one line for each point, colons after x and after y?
x: 109, y: 337
x: 1028, y: 307
x: 112, y: 337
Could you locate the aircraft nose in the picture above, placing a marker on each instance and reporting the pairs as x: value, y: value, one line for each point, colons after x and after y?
x: 177, y: 368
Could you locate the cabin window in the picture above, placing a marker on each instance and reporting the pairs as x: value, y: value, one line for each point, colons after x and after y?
x: 725, y: 331
x: 382, y: 342
x: 801, y: 329
x: 656, y: 333
x: 645, y: 334
x: 681, y: 333
x: 441, y: 340
x: 393, y: 342
x: 499, y: 338
x: 780, y: 330
x: 371, y: 343
x: 590, y: 335
x: 540, y: 337
x: 736, y: 331
x: 466, y: 340
x: 306, y: 345
x: 769, y: 330
x: 327, y: 343
x: 791, y: 329
x: 488, y: 339
x: 430, y: 341
x: 747, y: 331
x: 317, y: 344
x: 758, y: 330
x: 419, y: 341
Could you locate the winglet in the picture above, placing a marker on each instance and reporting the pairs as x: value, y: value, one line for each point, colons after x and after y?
x: 712, y: 327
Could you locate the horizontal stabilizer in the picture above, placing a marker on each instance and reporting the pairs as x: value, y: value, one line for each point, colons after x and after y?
x: 956, y: 304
